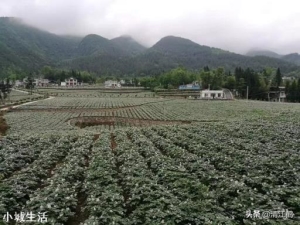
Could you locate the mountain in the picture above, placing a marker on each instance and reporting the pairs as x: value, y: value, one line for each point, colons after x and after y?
x: 128, y: 45
x: 263, y: 53
x: 172, y: 52
x: 293, y: 58
x: 104, y: 56
x: 178, y: 45
x: 94, y: 44
x: 26, y: 49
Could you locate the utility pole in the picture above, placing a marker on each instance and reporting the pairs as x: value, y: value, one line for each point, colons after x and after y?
x: 164, y: 110
x: 208, y: 94
x: 247, y: 92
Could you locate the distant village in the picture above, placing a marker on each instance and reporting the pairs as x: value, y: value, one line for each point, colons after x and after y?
x: 70, y: 82
x: 275, y: 94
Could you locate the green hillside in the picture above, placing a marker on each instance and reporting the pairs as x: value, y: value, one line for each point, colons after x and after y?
x: 293, y: 58
x: 27, y: 49
x: 94, y: 44
x: 128, y: 45
x: 171, y: 52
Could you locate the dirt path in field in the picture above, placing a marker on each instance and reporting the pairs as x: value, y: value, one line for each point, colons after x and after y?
x: 113, y: 143
x: 27, y: 103
x: 88, y: 121
x: 82, y: 214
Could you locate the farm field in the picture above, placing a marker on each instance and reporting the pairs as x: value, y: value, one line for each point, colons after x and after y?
x: 104, y: 93
x: 90, y: 103
x: 135, y: 160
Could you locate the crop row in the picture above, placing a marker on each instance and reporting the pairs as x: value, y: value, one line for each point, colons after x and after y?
x: 18, y: 187
x: 59, y: 195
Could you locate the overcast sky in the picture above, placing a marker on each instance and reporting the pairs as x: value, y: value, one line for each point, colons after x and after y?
x: 234, y: 25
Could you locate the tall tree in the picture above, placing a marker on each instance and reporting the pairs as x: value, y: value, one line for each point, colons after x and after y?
x: 298, y: 90
x: 230, y: 82
x: 30, y: 84
x: 206, y: 79
x: 292, y: 93
x: 267, y: 74
x: 278, y: 78
x: 206, y: 69
x: 5, y: 89
x: 287, y: 86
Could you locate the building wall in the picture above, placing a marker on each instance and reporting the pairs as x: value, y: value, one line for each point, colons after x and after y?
x: 41, y: 82
x: 210, y: 94
x: 71, y: 82
x: 111, y: 84
x: 189, y: 87
x: 19, y: 83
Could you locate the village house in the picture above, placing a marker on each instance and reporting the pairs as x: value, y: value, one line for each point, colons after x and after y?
x: 193, y: 86
x: 277, y: 94
x: 39, y: 82
x: 212, y: 94
x: 112, y: 84
x: 223, y: 94
x: 19, y: 83
x: 285, y: 78
x: 71, y: 82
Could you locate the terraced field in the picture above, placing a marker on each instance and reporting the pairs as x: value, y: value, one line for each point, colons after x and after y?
x: 162, y: 161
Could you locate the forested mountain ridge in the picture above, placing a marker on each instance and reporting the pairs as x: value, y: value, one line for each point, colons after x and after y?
x: 94, y: 44
x: 171, y: 52
x: 292, y: 57
x: 15, y: 34
x: 128, y: 44
x: 27, y: 49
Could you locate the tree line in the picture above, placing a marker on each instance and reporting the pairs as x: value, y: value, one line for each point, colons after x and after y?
x: 58, y: 76
x: 292, y: 89
x: 242, y: 82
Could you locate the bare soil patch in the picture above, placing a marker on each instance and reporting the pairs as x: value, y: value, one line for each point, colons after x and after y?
x: 114, y: 122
